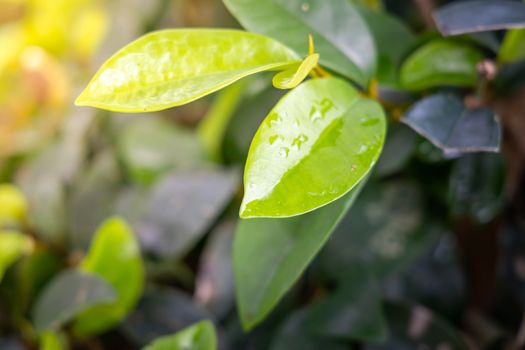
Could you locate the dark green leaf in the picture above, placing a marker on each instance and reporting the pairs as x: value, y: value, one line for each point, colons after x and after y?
x: 67, y: 295
x: 386, y: 229
x: 353, y: 311
x: 448, y: 124
x: 182, y: 206
x: 399, y: 146
x: 477, y: 186
x: 161, y: 312
x: 480, y: 15
x: 294, y: 334
x: 270, y: 254
x: 214, y: 288
x: 393, y: 40
x: 414, y: 327
x: 341, y: 36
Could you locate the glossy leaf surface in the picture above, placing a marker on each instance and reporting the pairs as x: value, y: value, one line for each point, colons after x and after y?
x: 173, y: 67
x: 67, y: 295
x: 458, y: 18
x: 449, y: 125
x: 441, y: 62
x: 12, y: 246
x: 269, y: 255
x: 200, y: 336
x: 317, y: 143
x: 341, y: 36
x: 292, y: 77
x: 115, y: 256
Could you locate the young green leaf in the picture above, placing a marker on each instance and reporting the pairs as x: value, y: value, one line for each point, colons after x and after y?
x: 51, y: 341
x: 317, y: 143
x: 269, y: 255
x: 12, y: 246
x: 441, y: 62
x: 200, y: 336
x: 67, y: 295
x: 342, y: 38
x: 292, y: 77
x: 114, y: 256
x: 173, y: 67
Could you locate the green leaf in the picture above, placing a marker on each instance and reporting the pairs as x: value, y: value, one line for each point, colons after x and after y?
x: 51, y: 341
x: 114, y: 256
x: 294, y: 334
x: 317, y: 143
x: 67, y: 295
x: 446, y: 122
x: 146, y: 148
x: 13, y: 205
x: 353, y: 311
x: 173, y: 67
x: 258, y: 99
x: 161, y: 311
x: 200, y: 336
x: 213, y: 127
x: 269, y: 255
x: 513, y: 47
x: 12, y: 246
x: 393, y: 40
x: 341, y: 36
x: 441, y: 62
x: 387, y: 229
x: 292, y: 77
x: 432, y: 333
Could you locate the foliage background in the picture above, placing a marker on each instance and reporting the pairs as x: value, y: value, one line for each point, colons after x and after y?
x: 431, y: 255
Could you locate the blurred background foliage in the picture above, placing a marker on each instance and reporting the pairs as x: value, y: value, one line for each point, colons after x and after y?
x: 117, y: 229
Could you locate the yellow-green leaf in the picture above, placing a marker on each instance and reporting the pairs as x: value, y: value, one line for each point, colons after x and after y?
x: 13, y: 205
x: 200, y: 336
x: 12, y: 246
x: 292, y: 77
x: 173, y: 67
x: 115, y: 256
